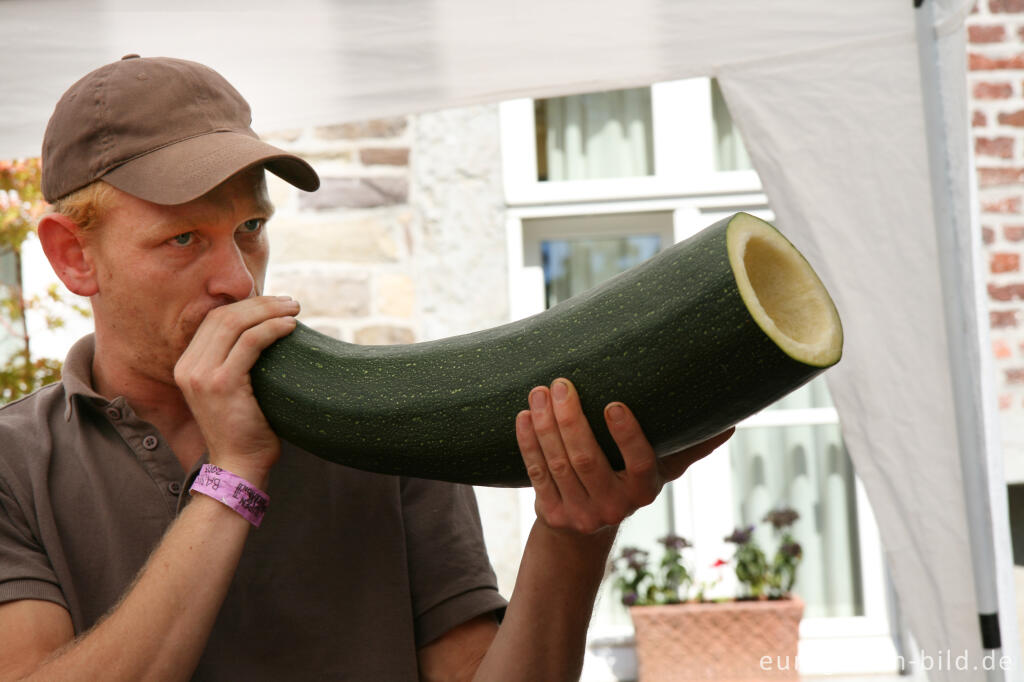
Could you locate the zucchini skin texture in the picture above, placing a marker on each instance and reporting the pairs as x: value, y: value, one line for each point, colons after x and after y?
x: 671, y: 338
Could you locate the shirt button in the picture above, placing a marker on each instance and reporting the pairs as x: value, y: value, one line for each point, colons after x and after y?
x: 150, y: 442
x: 114, y: 413
x: 174, y: 487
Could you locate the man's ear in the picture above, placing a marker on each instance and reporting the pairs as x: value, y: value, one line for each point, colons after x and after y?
x: 63, y: 244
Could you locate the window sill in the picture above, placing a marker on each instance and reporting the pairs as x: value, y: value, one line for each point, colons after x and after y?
x: 617, y: 189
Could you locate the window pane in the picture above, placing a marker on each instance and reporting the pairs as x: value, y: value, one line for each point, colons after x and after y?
x: 806, y: 468
x: 596, y: 135
x: 9, y: 329
x: 572, y: 266
x: 730, y: 154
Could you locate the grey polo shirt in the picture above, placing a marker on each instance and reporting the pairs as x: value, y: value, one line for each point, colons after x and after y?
x: 349, y: 574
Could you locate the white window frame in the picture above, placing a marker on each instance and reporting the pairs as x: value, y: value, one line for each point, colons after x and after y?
x: 682, y: 120
x: 687, y: 186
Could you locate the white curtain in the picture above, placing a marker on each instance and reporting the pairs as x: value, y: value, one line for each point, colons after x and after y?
x: 730, y: 152
x: 805, y: 467
x: 597, y: 135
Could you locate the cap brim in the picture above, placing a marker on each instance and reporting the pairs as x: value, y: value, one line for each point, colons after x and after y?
x: 186, y: 170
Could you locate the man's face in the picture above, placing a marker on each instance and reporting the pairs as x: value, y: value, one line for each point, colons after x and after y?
x: 161, y: 269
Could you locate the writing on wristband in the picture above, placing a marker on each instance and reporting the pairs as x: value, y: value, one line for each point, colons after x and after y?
x: 233, y: 491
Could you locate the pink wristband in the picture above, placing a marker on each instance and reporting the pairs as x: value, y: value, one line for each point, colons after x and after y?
x: 234, y: 491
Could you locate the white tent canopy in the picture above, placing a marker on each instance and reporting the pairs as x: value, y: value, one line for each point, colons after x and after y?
x: 835, y: 109
x: 321, y: 61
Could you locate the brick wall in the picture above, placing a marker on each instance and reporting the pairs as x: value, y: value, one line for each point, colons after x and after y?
x: 995, y: 34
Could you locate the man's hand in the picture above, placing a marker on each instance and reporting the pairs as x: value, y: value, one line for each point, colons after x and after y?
x: 576, y: 488
x: 580, y: 502
x: 213, y: 374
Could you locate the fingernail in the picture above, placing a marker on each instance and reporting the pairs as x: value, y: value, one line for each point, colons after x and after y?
x: 560, y: 390
x: 616, y: 413
x: 284, y: 298
x: 538, y: 400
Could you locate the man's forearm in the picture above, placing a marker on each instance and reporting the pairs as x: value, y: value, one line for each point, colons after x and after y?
x: 544, y: 633
x: 159, y: 629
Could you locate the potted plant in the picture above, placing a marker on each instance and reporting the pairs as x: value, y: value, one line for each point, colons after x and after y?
x: 681, y: 634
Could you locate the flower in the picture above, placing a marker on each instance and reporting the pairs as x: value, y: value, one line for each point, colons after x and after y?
x: 781, y: 518
x: 676, y: 542
x: 741, y: 536
x: 792, y: 549
x: 634, y: 557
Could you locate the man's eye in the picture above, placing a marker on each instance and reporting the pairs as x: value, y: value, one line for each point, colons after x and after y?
x: 252, y: 225
x: 183, y: 239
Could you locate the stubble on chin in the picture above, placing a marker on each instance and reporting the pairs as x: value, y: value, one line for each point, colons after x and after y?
x: 187, y: 327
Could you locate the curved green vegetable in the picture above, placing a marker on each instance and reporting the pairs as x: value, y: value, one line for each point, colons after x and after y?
x: 702, y: 335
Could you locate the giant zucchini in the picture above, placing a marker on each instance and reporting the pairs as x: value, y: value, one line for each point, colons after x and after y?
x: 695, y: 339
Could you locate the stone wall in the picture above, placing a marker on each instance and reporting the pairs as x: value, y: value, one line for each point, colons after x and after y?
x: 344, y: 251
x: 405, y: 240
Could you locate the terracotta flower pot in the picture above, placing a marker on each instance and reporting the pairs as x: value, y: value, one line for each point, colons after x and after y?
x: 738, y: 640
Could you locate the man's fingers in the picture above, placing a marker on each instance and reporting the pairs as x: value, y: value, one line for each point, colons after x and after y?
x: 642, y: 479
x: 545, y: 425
x: 254, y: 340
x: 222, y: 327
x: 230, y: 339
x: 584, y: 453
x: 672, y: 466
x: 536, y: 466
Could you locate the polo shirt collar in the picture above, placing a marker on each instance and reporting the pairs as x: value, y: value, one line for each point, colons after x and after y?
x: 76, y: 375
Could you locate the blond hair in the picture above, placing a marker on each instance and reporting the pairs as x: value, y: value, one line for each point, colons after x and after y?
x: 87, y: 206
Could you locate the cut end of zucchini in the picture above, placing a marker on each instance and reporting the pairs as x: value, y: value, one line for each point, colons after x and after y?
x: 783, y: 293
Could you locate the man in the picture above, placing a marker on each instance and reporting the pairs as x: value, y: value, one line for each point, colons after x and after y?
x: 110, y: 569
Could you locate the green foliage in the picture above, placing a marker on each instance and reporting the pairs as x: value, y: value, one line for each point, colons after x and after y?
x: 20, y: 375
x: 751, y: 568
x: 21, y: 206
x: 759, y: 576
x: 672, y: 581
x: 668, y: 584
x: 21, y: 202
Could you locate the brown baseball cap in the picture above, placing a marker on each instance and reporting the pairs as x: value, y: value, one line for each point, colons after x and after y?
x: 161, y: 129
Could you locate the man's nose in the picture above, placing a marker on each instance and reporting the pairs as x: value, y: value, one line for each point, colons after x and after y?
x: 230, y: 275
